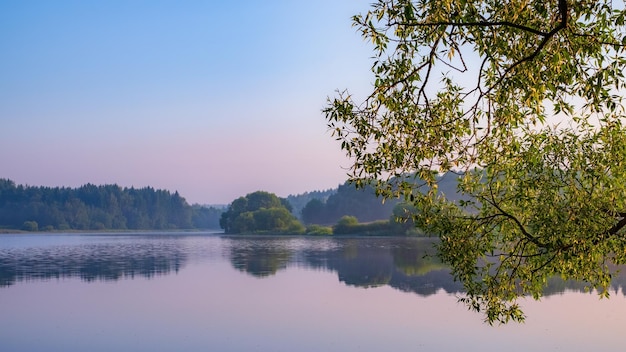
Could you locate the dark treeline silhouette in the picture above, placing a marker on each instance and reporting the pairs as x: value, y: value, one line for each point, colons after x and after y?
x: 299, y: 201
x: 93, y: 207
x: 206, y: 217
x: 363, y: 204
x: 348, y: 200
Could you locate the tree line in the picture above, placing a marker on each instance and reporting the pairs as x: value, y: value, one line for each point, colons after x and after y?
x: 344, y: 210
x: 90, y: 207
x: 347, y: 201
x: 347, y: 211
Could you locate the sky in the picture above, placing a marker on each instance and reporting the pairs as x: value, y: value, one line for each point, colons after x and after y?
x: 213, y: 99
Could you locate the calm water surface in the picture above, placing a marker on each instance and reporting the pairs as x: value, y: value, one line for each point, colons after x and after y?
x: 206, y: 292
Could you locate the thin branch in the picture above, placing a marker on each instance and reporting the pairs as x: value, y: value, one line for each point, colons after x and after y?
x: 595, y: 39
x: 618, y: 226
x: 521, y: 227
x: 563, y: 11
x: 475, y: 24
x: 430, y: 61
x: 534, y: 271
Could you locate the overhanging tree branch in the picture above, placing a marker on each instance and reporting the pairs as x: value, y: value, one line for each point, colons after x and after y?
x: 541, y: 189
x: 475, y: 24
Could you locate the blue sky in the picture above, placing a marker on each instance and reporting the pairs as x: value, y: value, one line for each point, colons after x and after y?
x: 214, y: 99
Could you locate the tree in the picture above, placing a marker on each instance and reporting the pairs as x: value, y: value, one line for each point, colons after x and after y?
x: 522, y: 99
x: 344, y: 224
x: 92, y: 207
x: 362, y: 203
x: 30, y: 226
x: 206, y: 217
x: 314, y: 212
x: 401, y: 220
x: 259, y: 212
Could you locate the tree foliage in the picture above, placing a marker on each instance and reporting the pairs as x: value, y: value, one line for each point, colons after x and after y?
x: 299, y: 201
x: 91, y: 207
x: 363, y: 204
x: 260, y: 212
x: 206, y: 217
x: 523, y: 97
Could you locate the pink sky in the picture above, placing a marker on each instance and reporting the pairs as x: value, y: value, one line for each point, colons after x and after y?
x: 213, y: 100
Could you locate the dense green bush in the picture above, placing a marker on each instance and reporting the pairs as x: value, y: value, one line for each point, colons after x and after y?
x: 318, y: 230
x: 260, y: 212
x: 30, y: 226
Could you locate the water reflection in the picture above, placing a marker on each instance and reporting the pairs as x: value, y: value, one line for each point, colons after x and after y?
x: 112, y: 260
x: 406, y: 264
x: 259, y: 259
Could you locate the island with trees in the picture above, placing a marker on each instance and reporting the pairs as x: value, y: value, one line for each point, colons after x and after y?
x: 260, y: 212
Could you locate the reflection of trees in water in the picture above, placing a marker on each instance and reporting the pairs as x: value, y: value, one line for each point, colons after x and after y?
x: 362, y: 262
x: 363, y: 266
x: 556, y: 285
x: 110, y: 261
x: 258, y: 257
x: 407, y: 264
x: 394, y: 262
x: 417, y: 258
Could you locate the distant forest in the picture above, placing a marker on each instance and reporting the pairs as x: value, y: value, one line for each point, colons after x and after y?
x: 299, y: 201
x: 111, y: 207
x: 363, y: 204
x: 91, y: 207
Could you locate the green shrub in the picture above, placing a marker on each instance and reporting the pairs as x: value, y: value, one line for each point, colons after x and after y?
x: 30, y: 226
x: 317, y: 230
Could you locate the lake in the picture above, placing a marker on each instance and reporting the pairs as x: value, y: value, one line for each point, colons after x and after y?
x: 209, y: 292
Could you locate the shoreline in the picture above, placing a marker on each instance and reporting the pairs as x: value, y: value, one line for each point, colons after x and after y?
x: 104, y: 232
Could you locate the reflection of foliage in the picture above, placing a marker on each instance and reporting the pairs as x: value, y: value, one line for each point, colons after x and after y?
x: 371, y: 262
x: 90, y: 262
x: 350, y: 249
x: 259, y: 258
x: 360, y: 262
x: 354, y: 266
x: 407, y: 264
x: 417, y: 261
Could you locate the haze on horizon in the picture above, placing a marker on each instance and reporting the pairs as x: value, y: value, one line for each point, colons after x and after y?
x: 211, y: 99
